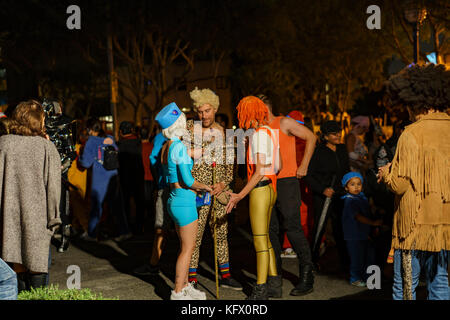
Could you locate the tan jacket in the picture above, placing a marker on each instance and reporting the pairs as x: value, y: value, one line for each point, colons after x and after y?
x: 420, y: 177
x: 30, y: 189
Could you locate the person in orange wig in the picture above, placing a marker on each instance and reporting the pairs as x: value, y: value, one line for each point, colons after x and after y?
x: 263, y: 164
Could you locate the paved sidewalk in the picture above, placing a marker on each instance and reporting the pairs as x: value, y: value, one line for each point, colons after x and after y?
x: 106, y: 268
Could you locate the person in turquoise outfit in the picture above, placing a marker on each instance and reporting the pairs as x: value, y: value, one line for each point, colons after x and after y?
x: 181, y: 205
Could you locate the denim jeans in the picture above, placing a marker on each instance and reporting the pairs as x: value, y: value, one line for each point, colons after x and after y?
x: 8, y: 282
x: 434, y: 264
x: 362, y: 255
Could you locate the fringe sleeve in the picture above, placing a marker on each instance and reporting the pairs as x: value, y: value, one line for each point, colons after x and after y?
x: 399, y: 180
x: 396, y: 179
x: 419, y: 171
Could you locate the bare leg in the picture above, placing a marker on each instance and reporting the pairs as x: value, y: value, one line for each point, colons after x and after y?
x: 187, y: 235
x: 158, y: 244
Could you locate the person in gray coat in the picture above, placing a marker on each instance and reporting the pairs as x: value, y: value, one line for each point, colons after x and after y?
x: 30, y: 186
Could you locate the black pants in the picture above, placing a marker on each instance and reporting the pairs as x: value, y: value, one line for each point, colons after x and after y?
x: 64, y: 202
x: 134, y: 189
x: 287, y: 207
x: 149, y: 200
x: 335, y: 213
x: 115, y: 200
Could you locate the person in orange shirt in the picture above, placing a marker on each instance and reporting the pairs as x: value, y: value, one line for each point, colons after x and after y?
x: 288, y: 201
x: 306, y: 210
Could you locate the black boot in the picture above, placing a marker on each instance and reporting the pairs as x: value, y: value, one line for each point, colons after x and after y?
x: 306, y: 283
x: 38, y: 280
x: 274, y: 286
x: 22, y: 282
x: 65, y: 236
x: 259, y: 292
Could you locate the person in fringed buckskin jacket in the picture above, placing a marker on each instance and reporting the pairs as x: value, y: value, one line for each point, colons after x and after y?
x: 419, y: 175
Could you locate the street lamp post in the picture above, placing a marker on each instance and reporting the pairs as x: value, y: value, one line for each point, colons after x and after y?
x: 415, y: 13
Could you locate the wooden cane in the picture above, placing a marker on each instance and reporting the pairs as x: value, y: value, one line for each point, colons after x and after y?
x: 215, y: 231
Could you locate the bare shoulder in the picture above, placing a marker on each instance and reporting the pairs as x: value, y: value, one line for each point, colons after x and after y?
x: 289, y: 124
x: 286, y: 122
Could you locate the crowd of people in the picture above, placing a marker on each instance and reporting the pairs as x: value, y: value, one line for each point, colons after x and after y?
x: 385, y: 200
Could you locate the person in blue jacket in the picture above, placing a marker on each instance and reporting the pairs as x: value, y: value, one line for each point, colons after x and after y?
x: 181, y: 205
x: 356, y: 224
x: 104, y: 182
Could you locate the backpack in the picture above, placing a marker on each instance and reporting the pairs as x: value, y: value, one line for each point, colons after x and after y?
x: 110, y: 157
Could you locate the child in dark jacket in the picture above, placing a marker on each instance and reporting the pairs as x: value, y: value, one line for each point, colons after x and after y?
x: 356, y: 223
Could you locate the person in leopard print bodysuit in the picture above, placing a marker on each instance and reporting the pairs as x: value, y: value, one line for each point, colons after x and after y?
x: 206, y: 104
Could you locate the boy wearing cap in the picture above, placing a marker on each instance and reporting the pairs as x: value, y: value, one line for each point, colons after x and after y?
x: 356, y: 224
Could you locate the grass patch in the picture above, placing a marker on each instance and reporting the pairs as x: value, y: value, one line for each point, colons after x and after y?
x: 54, y: 293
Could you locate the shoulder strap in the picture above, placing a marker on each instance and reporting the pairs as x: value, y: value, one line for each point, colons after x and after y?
x: 251, y: 167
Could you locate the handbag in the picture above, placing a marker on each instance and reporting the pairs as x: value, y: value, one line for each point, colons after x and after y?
x: 224, y: 197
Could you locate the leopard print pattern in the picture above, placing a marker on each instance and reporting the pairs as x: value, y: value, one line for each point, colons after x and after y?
x: 407, y: 274
x: 204, y: 214
x: 203, y: 172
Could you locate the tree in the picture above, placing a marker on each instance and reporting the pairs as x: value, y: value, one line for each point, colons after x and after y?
x: 38, y: 46
x: 397, y: 32
x: 300, y: 48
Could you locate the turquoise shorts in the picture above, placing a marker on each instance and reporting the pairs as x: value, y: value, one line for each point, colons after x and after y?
x: 182, y: 207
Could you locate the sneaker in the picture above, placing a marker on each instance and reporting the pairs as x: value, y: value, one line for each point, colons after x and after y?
x: 123, y: 237
x: 288, y: 253
x: 86, y: 237
x: 182, y: 295
x: 358, y: 283
x: 146, y: 270
x: 230, y: 283
x: 194, y: 292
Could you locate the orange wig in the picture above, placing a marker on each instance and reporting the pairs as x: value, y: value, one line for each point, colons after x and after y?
x: 252, y: 112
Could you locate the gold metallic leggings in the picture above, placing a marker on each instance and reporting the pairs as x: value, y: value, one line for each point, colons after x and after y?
x: 262, y: 200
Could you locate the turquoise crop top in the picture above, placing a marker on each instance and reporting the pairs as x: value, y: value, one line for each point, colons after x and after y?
x: 179, y: 164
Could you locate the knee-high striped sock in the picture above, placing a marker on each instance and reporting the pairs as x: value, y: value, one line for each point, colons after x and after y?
x: 225, y: 270
x: 192, y: 274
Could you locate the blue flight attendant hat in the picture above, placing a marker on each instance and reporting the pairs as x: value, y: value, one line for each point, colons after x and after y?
x: 168, y: 115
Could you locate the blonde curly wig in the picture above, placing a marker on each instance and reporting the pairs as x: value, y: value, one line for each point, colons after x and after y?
x: 204, y: 96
